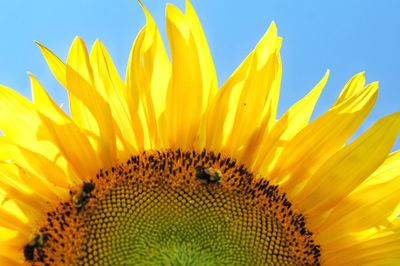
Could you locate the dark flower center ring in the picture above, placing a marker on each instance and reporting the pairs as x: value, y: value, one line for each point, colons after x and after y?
x: 176, y: 208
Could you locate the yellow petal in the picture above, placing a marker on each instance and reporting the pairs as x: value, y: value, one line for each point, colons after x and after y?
x: 89, y: 110
x: 111, y: 87
x: 352, y: 87
x: 363, y: 210
x: 208, y: 73
x: 380, y: 250
x: 185, y: 91
x: 17, y: 178
x: 389, y: 170
x: 218, y: 113
x: 78, y: 60
x: 32, y: 205
x: 258, y: 93
x: 314, y: 144
x: 251, y: 92
x: 18, y: 116
x: 55, y: 64
x: 300, y: 113
x: 140, y: 87
x: 33, y: 162
x: 7, y: 261
x: 349, y: 167
x: 266, y: 149
x: 77, y: 152
x: 369, y: 205
x: 10, y: 221
x: 147, y: 78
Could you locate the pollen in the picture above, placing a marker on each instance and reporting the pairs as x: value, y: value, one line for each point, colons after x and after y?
x: 175, y: 208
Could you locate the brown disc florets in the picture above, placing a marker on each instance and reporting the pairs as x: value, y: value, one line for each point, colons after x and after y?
x: 174, y: 208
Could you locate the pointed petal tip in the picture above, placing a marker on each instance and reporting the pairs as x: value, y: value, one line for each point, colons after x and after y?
x: 273, y: 30
x: 174, y: 14
x: 360, y: 75
x: 375, y: 83
x: 373, y: 86
x: 145, y: 10
x: 41, y: 46
x: 149, y: 18
x: 326, y: 76
x: 188, y: 7
x: 96, y: 43
x: 169, y: 6
x: 77, y: 39
x: 273, y: 26
x: 393, y: 119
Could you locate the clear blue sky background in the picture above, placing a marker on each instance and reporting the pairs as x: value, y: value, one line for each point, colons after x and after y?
x: 346, y: 36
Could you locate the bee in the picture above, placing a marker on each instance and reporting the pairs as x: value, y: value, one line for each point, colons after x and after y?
x: 81, y: 198
x: 208, y: 174
x: 36, y: 244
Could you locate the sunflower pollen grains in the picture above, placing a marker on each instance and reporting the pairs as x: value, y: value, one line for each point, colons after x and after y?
x: 174, y: 208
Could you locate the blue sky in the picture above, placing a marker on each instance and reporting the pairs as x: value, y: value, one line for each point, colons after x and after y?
x: 345, y: 36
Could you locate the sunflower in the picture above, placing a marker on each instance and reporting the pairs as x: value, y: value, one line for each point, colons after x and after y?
x: 165, y: 168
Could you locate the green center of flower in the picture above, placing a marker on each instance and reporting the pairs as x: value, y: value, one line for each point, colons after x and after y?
x: 177, y: 208
x: 163, y: 225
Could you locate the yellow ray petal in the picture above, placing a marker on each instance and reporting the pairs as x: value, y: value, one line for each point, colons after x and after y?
x: 112, y: 88
x: 349, y: 167
x: 78, y: 151
x: 18, y: 116
x: 10, y: 221
x: 251, y: 92
x: 389, y: 170
x: 55, y: 64
x: 17, y: 178
x: 43, y: 101
x: 34, y: 163
x: 262, y: 153
x: 219, y: 115
x: 366, y: 209
x: 16, y: 126
x: 352, y: 87
x: 322, y: 138
x: 29, y: 120
x: 32, y: 205
x: 380, y: 250
x: 7, y: 261
x: 147, y: 78
x: 208, y: 73
x: 78, y: 60
x: 89, y: 110
x: 300, y: 113
x: 258, y: 93
x: 369, y: 205
x: 185, y: 91
x: 140, y: 89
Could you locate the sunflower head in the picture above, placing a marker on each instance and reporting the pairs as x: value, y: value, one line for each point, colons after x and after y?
x: 166, y: 168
